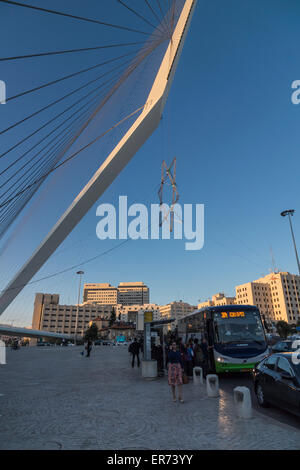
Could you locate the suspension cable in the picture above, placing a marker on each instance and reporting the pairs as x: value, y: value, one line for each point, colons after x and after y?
x: 45, y: 10
x: 69, y: 51
x: 66, y: 77
x: 73, y: 155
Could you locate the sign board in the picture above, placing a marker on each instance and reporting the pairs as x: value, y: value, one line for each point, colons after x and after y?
x: 120, y: 339
x: 148, y: 316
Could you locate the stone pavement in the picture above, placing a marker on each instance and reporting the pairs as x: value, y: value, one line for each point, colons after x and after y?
x: 54, y: 398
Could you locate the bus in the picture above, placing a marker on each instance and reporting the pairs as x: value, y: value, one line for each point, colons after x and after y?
x: 235, y: 334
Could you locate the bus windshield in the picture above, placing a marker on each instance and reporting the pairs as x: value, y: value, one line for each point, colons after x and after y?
x: 238, y: 327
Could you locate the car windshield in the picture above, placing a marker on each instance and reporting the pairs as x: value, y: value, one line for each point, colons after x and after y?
x: 238, y: 327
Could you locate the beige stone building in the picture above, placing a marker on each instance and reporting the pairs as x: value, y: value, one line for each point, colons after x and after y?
x: 217, y: 299
x: 103, y: 294
x: 127, y: 293
x: 176, y: 310
x: 49, y: 315
x: 277, y: 295
x: 128, y: 313
x: 133, y: 293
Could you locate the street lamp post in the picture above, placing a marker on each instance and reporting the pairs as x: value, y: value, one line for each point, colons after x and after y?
x: 77, y: 312
x: 290, y: 213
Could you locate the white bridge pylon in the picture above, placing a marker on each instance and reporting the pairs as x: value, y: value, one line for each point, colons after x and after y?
x: 139, y: 132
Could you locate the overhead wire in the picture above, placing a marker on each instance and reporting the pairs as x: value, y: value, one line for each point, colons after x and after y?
x: 53, y: 103
x: 15, y: 210
x: 74, y: 154
x: 138, y: 14
x: 68, y: 51
x: 89, y: 260
x: 54, y: 12
x: 66, y: 77
x: 153, y: 11
x: 123, y: 78
x: 110, y: 81
x: 54, y: 138
x: 163, y: 17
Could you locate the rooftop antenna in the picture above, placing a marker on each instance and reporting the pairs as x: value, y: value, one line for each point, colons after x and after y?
x: 274, y: 269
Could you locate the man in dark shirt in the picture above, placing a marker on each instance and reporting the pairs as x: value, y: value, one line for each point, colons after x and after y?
x: 134, y: 349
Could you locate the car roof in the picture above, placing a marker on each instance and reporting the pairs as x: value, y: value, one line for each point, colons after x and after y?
x: 287, y: 354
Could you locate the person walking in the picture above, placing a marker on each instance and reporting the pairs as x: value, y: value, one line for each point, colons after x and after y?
x: 134, y: 349
x: 198, y: 353
x: 89, y: 347
x: 189, y: 359
x: 175, y: 371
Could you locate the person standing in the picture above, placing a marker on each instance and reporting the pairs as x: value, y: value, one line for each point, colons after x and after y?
x: 205, y: 350
x: 189, y: 359
x: 175, y: 371
x: 198, y: 354
x: 135, y: 351
x: 89, y: 347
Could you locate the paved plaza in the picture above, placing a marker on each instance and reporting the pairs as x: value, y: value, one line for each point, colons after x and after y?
x: 54, y: 398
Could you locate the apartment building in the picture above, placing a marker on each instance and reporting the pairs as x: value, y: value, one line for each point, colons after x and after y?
x: 277, y: 295
x: 133, y: 293
x: 128, y: 313
x: 218, y: 299
x: 103, y: 294
x: 49, y: 315
x: 127, y: 293
x: 176, y: 310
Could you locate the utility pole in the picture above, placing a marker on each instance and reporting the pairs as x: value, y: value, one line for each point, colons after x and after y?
x: 290, y: 213
x: 77, y: 312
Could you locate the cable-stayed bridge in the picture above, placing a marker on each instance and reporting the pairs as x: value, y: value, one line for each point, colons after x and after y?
x: 28, y: 170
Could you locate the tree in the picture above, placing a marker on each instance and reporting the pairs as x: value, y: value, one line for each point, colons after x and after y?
x: 112, y: 317
x: 283, y: 328
x: 91, y: 333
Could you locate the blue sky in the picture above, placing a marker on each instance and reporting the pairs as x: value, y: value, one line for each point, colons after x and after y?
x: 229, y: 121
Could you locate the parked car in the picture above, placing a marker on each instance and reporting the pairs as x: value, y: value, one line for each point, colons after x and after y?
x: 284, y: 346
x: 277, y: 381
x: 272, y: 338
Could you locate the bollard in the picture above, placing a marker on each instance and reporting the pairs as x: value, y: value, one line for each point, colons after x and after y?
x: 242, y: 401
x: 198, y: 379
x: 212, y: 385
x: 2, y: 353
x: 149, y: 369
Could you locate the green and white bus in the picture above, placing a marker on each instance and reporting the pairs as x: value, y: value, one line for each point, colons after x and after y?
x: 235, y: 334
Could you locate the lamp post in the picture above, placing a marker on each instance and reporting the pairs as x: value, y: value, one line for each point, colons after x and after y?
x: 77, y: 312
x: 290, y: 213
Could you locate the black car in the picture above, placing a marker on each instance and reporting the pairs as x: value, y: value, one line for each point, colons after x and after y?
x: 277, y: 381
